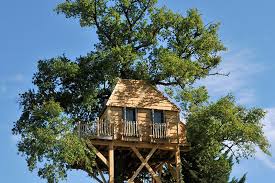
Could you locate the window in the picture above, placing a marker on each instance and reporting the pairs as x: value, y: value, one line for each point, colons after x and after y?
x: 130, y: 114
x: 158, y: 116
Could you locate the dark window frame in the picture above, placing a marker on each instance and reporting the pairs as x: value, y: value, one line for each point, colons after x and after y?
x: 162, y: 116
x: 127, y: 112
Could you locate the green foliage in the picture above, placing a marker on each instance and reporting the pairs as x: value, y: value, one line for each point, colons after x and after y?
x: 220, y: 133
x: 242, y: 180
x: 47, y: 137
x: 136, y: 40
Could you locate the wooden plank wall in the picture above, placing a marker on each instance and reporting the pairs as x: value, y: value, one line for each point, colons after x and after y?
x: 182, y: 131
x: 115, y: 116
x: 144, y: 120
x: 172, y: 119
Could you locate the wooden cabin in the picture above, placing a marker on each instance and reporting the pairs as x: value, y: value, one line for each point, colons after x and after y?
x: 137, y: 119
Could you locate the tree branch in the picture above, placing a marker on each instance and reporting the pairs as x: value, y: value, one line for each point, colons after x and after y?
x: 230, y: 149
x: 130, y: 26
x: 125, y: 11
x: 98, y: 25
x: 148, y: 43
x: 142, y: 13
x: 219, y: 74
x: 166, y: 83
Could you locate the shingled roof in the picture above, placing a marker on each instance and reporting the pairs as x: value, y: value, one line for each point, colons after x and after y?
x: 139, y: 94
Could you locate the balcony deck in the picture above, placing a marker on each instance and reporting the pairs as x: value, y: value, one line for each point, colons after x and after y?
x: 125, y: 131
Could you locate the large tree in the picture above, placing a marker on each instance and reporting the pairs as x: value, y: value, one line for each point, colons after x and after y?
x: 136, y: 40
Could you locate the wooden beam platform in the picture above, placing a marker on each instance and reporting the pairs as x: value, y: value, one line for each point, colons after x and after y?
x: 119, y: 143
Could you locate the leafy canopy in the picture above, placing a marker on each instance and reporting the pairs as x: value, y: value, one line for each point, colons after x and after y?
x: 136, y: 40
x: 221, y: 133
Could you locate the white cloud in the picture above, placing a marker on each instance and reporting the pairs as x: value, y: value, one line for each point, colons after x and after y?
x: 242, y: 71
x: 265, y: 159
x: 269, y: 129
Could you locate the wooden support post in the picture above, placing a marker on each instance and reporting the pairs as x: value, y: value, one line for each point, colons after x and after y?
x: 111, y: 163
x: 178, y: 164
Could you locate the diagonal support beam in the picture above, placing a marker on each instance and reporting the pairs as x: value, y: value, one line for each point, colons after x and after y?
x: 101, y: 174
x: 97, y: 179
x: 144, y: 163
x: 159, y: 168
x: 98, y: 154
x: 172, y: 170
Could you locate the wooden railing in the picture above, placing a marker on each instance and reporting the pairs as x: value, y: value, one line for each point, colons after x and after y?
x: 87, y: 129
x: 159, y: 130
x: 96, y: 128
x: 130, y: 128
x: 103, y: 128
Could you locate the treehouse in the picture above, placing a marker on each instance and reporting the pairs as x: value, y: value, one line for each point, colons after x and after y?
x: 138, y: 130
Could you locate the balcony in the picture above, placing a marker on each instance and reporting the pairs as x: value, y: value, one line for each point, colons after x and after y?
x: 125, y: 130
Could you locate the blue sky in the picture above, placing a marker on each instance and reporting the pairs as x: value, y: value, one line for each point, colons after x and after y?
x: 30, y: 30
